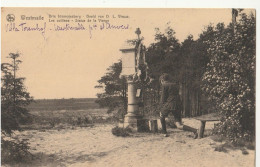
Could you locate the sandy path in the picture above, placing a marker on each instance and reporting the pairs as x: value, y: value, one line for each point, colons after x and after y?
x: 98, y: 147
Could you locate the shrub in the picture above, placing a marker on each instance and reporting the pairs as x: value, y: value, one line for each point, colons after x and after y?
x: 221, y: 148
x: 15, y: 150
x: 117, y: 131
x: 229, y: 80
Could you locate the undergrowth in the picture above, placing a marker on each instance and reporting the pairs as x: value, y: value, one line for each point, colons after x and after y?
x: 123, y: 132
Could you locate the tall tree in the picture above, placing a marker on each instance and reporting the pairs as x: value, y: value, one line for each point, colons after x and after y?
x: 115, y: 90
x: 194, y: 59
x: 14, y: 99
x: 162, y: 56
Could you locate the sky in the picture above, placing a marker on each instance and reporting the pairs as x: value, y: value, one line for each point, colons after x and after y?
x: 67, y: 63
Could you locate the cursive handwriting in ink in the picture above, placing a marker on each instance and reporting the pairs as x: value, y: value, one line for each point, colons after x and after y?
x: 11, y: 27
x: 93, y: 27
x: 68, y: 27
x: 111, y: 26
x: 25, y: 27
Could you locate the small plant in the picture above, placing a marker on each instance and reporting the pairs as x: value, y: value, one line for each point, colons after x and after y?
x: 218, y: 138
x: 117, y: 131
x: 221, y: 148
x: 244, y: 152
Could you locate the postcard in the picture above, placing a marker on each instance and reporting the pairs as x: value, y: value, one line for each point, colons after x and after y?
x: 128, y: 86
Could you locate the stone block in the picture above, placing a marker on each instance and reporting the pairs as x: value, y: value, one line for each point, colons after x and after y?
x: 142, y: 125
x: 153, y: 126
x: 159, y: 124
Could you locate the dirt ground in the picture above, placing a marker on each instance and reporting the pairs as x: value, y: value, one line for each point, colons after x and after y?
x: 96, y: 146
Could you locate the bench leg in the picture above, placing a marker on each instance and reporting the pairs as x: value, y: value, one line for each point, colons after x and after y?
x: 201, y: 129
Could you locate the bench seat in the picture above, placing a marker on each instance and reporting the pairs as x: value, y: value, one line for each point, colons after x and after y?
x: 203, y: 119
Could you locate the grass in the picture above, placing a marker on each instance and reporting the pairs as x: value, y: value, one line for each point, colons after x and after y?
x: 63, y: 104
x: 67, y: 118
x: 64, y: 113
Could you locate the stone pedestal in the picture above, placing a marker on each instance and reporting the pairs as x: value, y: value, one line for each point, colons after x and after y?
x: 132, y: 118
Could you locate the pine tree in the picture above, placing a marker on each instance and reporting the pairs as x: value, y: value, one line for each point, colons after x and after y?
x: 114, y: 96
x: 14, y: 100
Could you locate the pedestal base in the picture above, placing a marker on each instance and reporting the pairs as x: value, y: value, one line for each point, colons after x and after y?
x: 136, y: 123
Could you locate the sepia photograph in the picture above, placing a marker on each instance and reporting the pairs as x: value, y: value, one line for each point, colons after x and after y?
x: 128, y: 87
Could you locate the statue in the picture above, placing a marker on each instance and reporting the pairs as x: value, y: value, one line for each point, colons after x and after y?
x: 134, y: 69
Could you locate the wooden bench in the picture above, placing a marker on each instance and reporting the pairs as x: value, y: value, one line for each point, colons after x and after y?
x: 203, y: 119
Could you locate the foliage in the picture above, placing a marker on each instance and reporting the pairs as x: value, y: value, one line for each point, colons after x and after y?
x: 117, y: 131
x: 194, y: 59
x: 162, y: 56
x: 193, y: 62
x: 14, y: 99
x: 185, y: 62
x: 15, y: 150
x: 229, y: 79
x: 114, y: 95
